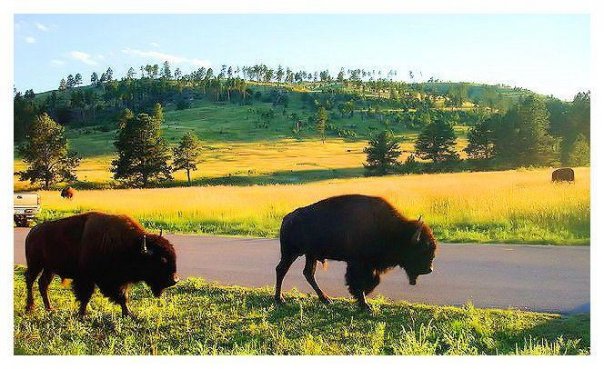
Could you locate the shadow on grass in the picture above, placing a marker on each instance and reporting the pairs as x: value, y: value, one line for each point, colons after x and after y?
x: 242, y: 180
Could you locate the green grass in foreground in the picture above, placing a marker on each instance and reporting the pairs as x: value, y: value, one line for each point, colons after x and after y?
x: 200, y: 318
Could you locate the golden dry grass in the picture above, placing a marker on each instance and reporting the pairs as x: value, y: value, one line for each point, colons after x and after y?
x: 508, y: 206
x: 249, y: 159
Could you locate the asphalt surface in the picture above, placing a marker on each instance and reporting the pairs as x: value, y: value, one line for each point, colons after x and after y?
x: 537, y: 278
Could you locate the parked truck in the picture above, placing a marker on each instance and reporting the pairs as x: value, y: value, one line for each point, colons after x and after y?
x: 26, y: 205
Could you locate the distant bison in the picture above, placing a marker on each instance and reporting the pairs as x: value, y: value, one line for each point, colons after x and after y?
x: 563, y: 175
x: 366, y: 232
x: 67, y: 192
x: 109, y: 251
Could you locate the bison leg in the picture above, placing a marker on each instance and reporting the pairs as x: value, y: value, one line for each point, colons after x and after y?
x: 309, y: 272
x: 43, y: 283
x: 83, y: 290
x: 30, y: 277
x: 117, y: 294
x: 281, y: 269
x: 357, y: 277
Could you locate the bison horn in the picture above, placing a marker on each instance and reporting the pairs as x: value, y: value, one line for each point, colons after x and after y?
x: 418, y: 233
x: 145, y: 249
x: 161, y: 231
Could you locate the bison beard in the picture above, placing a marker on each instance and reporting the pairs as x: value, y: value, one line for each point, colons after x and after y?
x: 365, y: 232
x: 95, y: 249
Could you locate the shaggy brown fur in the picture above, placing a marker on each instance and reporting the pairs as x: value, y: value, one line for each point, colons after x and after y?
x: 109, y: 251
x: 68, y: 192
x: 563, y: 175
x: 366, y: 232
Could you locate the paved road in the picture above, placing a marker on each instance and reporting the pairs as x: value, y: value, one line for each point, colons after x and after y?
x: 539, y: 278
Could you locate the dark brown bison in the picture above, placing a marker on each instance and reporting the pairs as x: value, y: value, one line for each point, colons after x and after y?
x: 68, y: 192
x: 365, y: 232
x: 563, y: 175
x: 109, y: 251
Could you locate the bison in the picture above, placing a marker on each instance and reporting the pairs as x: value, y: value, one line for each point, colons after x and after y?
x: 68, y: 192
x: 366, y: 232
x: 563, y: 175
x: 109, y: 251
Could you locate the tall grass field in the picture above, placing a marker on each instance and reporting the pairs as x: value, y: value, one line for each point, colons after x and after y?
x: 518, y: 206
x: 200, y: 318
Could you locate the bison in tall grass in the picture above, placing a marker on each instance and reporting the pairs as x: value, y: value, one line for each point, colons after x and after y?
x: 109, y: 251
x: 366, y: 232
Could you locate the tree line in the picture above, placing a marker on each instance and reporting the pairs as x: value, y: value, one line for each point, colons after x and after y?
x: 143, y: 155
x: 526, y: 135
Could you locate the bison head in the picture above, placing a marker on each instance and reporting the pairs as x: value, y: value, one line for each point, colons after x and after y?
x: 159, y: 263
x: 419, y: 253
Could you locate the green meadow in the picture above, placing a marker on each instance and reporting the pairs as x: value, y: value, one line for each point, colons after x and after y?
x: 200, y: 318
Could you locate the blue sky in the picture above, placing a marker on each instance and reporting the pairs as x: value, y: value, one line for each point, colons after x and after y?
x: 549, y: 54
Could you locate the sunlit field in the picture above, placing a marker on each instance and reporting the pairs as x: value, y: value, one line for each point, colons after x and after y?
x: 200, y: 318
x: 260, y: 162
x: 520, y: 206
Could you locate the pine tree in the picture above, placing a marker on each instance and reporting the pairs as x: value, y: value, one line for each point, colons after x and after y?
x: 436, y: 142
x: 143, y: 154
x: 62, y: 85
x: 46, y: 154
x: 481, y: 144
x: 186, y: 154
x: 382, y: 154
x: 321, y: 122
x: 158, y: 113
x: 579, y: 152
x: 534, y: 144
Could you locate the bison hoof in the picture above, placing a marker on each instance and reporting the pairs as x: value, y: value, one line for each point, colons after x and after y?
x: 279, y: 300
x: 326, y: 300
x: 50, y: 309
x: 365, y: 307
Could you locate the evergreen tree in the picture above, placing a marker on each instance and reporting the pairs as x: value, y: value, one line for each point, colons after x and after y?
x: 578, y: 123
x: 166, y: 72
x: 321, y: 122
x: 579, y: 152
x: 436, y: 142
x: 382, y: 154
x: 24, y: 114
x: 77, y: 80
x: 481, y: 142
x: 46, y: 154
x: 158, y: 113
x: 63, y: 85
x: 143, y: 153
x: 94, y: 79
x: 534, y: 144
x: 186, y: 154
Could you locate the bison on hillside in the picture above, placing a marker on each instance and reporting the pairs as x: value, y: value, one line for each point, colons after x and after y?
x: 563, y: 175
x: 366, y: 232
x: 68, y: 192
x: 109, y: 251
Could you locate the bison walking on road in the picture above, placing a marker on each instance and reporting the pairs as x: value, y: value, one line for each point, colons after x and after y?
x: 366, y: 232
x: 563, y: 175
x: 109, y: 251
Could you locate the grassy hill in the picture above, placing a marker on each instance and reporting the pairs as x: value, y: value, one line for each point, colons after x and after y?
x: 235, y: 146
x: 200, y: 318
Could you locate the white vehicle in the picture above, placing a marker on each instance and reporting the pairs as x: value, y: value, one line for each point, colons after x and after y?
x: 27, y: 205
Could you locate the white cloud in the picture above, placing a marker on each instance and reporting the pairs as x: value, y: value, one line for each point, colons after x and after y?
x: 172, y: 59
x: 57, y: 62
x: 83, y: 57
x: 154, y: 44
x: 30, y: 39
x: 42, y: 27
